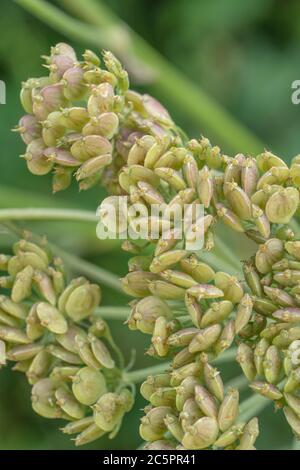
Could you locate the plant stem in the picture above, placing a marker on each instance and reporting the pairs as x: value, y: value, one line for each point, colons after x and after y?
x: 113, y: 312
x: 110, y: 32
x: 252, y: 406
x: 48, y: 214
x: 137, y: 376
x: 104, y: 277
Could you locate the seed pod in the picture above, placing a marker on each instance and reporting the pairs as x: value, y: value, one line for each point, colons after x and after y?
x: 82, y: 301
x: 205, y: 186
x: 13, y: 335
x: 178, y: 278
x: 272, y: 364
x: 88, y: 435
x: 64, y: 355
x: 147, y: 310
x: 165, y: 290
x: 267, y: 160
x: 252, y: 278
x: 182, y: 337
x: 152, y: 383
x: 50, y: 98
x: 205, y: 291
x: 194, y: 309
x: 245, y: 358
x: 229, y: 218
x: 202, y: 434
x: 101, y: 352
x: 77, y: 426
x: 29, y: 128
x: 261, y: 221
x: 137, y: 284
x: 276, y: 175
x: 86, y: 354
x: 206, y: 401
x: 282, y: 205
x: 259, y: 354
x: 88, y: 386
x: 66, y: 401
x: 39, y: 366
x: 286, y: 337
x: 185, y: 391
x: 293, y: 381
x: 217, y: 312
x: 174, y: 427
x: 268, y: 254
x: 244, y: 312
x: 293, y: 402
x: 249, y: 436
x: 289, y: 315
x: 51, y: 318
x: 293, y: 248
x: 230, y: 286
x: 267, y: 390
x: 171, y: 177
x: 45, y: 287
x: 22, y: 353
x: 205, y: 339
x: 64, y: 373
x: 293, y: 420
x: 166, y: 259
x: 279, y: 296
x: 152, y: 425
x: 178, y: 375
x: 229, y: 409
x: 190, y: 414
x: 213, y: 380
x: 226, y: 338
x: 238, y: 200
x: 160, y: 444
x: 42, y: 398
x: 201, y: 272
x: 160, y: 336
x: 164, y: 396
x: 249, y: 176
x: 182, y: 358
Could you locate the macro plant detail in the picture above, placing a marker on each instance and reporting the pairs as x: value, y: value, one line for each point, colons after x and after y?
x: 50, y: 332
x: 83, y: 120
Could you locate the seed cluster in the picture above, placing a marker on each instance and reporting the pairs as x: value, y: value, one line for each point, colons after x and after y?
x: 81, y: 118
x: 189, y: 409
x: 129, y: 143
x: 47, y: 328
x: 269, y: 354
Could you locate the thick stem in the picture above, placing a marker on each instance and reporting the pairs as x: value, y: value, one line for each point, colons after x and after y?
x: 48, y: 214
x: 134, y: 51
x: 113, y: 312
x: 105, y: 278
x: 137, y: 376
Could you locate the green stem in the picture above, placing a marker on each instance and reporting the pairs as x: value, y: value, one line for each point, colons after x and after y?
x: 137, y: 54
x: 252, y: 407
x: 104, y: 277
x: 48, y: 214
x: 137, y: 376
x: 113, y: 312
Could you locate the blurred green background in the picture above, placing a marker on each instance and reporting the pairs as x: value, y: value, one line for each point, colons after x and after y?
x: 244, y: 54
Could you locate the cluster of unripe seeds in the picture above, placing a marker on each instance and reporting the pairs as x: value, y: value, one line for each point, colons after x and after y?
x: 129, y: 143
x: 48, y: 329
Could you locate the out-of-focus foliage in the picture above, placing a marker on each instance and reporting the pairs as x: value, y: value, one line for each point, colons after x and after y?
x: 244, y: 54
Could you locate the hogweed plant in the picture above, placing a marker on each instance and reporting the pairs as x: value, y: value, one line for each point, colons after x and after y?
x: 83, y: 121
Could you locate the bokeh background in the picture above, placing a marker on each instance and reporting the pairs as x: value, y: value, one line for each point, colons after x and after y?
x: 245, y: 55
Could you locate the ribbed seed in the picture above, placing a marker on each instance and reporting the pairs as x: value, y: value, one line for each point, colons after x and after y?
x: 205, y: 339
x: 245, y: 357
x: 229, y: 409
x: 206, y: 401
x: 267, y: 390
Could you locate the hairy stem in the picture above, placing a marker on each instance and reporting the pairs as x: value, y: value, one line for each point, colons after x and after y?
x: 110, y: 32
